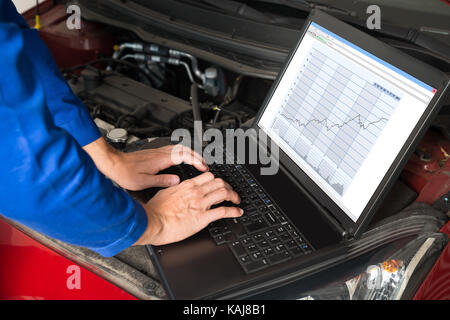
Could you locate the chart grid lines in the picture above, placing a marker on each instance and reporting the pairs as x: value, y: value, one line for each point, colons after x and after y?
x: 332, y: 118
x: 322, y: 114
x: 354, y: 74
x: 386, y: 105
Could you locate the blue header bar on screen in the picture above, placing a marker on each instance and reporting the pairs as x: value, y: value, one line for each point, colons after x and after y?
x: 368, y: 54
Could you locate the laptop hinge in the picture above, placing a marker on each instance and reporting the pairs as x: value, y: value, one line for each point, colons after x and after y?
x: 345, y: 234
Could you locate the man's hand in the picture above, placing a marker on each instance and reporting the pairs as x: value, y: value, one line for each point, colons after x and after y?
x: 138, y: 170
x: 178, y: 212
x: 174, y: 213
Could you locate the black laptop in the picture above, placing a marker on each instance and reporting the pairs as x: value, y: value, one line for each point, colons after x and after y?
x: 345, y: 113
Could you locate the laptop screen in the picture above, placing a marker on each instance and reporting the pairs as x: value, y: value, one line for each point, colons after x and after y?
x: 343, y: 115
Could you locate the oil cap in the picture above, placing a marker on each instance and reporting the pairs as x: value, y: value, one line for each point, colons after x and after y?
x: 117, y: 137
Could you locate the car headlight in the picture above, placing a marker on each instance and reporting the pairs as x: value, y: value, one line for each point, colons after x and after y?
x: 386, y: 280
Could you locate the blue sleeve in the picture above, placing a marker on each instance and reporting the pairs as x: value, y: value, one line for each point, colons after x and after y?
x: 67, y: 110
x: 47, y: 180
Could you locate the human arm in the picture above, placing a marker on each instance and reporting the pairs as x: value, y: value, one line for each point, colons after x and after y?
x: 139, y: 170
x: 48, y: 182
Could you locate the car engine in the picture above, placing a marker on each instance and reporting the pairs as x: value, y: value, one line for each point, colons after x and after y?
x: 146, y: 90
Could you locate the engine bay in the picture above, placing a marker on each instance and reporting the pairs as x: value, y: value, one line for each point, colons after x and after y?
x: 153, y: 103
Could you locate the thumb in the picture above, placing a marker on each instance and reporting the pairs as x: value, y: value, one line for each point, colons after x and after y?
x: 162, y: 180
x: 220, y: 213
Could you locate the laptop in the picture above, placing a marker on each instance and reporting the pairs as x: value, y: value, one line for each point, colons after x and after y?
x: 345, y: 113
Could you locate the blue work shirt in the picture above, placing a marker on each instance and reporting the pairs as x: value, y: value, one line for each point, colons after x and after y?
x: 47, y: 181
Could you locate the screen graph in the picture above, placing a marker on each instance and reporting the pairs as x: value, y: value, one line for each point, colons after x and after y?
x: 332, y: 117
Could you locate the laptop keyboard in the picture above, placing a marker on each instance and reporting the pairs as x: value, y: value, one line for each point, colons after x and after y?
x: 263, y: 236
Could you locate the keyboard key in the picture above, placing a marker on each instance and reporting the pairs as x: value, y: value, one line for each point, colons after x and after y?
x: 229, y: 237
x: 248, y: 207
x: 305, y: 248
x: 259, y: 204
x: 280, y: 230
x: 247, y: 241
x: 257, y: 255
x: 279, y: 247
x: 274, y: 240
x: 238, y: 248
x: 275, y: 211
x: 215, y: 232
x: 271, y: 220
x: 279, y: 257
x: 268, y: 251
x: 256, y: 265
x: 256, y: 217
x: 256, y: 226
x: 219, y: 240
x: 264, y: 210
x: 297, y: 251
x: 245, y: 259
x: 237, y: 228
x: 269, y: 233
x: 291, y: 244
x: 258, y: 237
x: 264, y: 244
x: 252, y: 248
x: 224, y: 229
x: 294, y: 234
x: 245, y: 220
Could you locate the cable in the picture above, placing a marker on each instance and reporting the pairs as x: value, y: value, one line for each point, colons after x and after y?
x: 155, y: 50
x: 219, y: 109
x: 188, y: 70
x: 160, y: 59
x: 194, y: 62
x: 228, y: 99
x: 140, y: 57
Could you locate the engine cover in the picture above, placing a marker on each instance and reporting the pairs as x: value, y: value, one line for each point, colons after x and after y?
x: 123, y: 96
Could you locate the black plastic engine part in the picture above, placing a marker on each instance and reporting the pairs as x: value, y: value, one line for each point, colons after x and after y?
x: 130, y: 102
